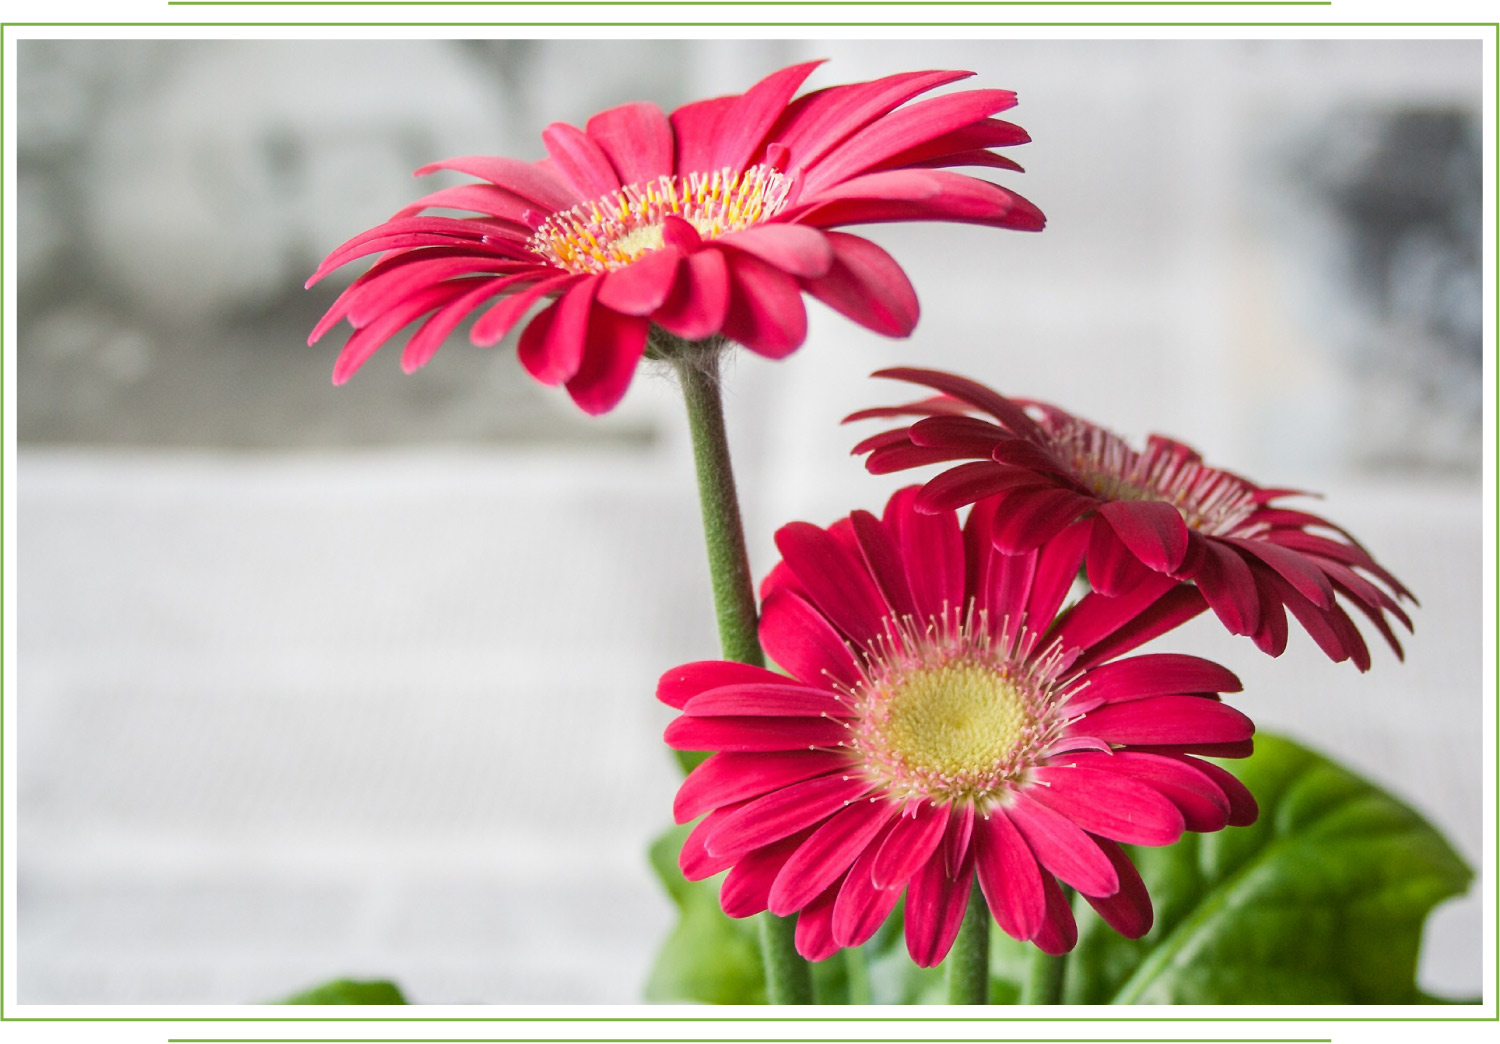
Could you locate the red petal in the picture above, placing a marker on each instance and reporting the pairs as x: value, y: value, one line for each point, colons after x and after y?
x: 748, y: 885
x: 817, y: 122
x: 529, y: 180
x: 783, y: 812
x: 1166, y: 720
x: 761, y: 699
x: 862, y: 906
x: 836, y: 582
x: 912, y: 841
x: 933, y: 549
x: 641, y: 287
x: 497, y: 322
x: 1157, y: 674
x: 814, y: 933
x: 752, y: 114
x: 751, y: 734
x: 1203, y: 804
x: 1059, y: 932
x: 935, y: 905
x: 882, y: 556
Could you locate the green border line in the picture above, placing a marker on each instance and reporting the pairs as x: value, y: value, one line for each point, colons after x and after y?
x: 4, y: 26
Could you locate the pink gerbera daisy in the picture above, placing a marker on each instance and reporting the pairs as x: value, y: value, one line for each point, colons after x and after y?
x: 1154, y: 516
x: 944, y: 719
x: 707, y: 223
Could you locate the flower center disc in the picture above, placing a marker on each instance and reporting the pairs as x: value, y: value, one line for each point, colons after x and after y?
x: 957, y: 720
x: 617, y: 229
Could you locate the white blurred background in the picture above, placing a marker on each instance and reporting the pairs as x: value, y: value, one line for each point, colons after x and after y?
x: 358, y: 681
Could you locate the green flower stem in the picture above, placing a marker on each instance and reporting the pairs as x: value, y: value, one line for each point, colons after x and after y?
x: 1045, y: 974
x: 968, y: 962
x: 788, y: 977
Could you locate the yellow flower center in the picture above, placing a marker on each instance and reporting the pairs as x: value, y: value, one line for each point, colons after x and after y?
x: 957, y: 719
x: 615, y: 230
x: 950, y: 713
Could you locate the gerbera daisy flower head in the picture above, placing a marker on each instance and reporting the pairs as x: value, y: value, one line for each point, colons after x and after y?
x: 702, y: 225
x: 1154, y: 516
x: 944, y: 719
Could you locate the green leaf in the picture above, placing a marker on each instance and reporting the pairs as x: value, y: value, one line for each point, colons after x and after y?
x: 709, y: 958
x: 350, y: 991
x: 1322, y: 901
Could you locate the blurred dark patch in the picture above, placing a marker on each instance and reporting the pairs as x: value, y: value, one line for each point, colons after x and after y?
x: 1403, y: 185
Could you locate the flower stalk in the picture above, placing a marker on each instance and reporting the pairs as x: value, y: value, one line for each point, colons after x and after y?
x: 968, y: 963
x: 788, y: 976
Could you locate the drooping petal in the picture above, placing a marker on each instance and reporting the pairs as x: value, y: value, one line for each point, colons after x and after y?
x: 912, y: 841
x: 1059, y: 932
x: 935, y: 905
x: 551, y: 346
x: 747, y: 886
x: 783, y: 812
x: 766, y: 313
x: 862, y: 905
x: 614, y: 346
x: 642, y: 287
x: 1009, y: 876
x: 699, y: 300
x: 795, y: 249
x: 1128, y: 911
x: 864, y: 283
x: 499, y: 320
x: 827, y: 854
x: 813, y: 935
x: 1062, y: 847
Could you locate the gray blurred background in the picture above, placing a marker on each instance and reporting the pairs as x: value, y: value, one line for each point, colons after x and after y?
x: 357, y: 681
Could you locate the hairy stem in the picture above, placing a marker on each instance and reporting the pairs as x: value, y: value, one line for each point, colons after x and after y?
x: 968, y: 963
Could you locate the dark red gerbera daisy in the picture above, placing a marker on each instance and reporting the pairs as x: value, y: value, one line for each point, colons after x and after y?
x: 1155, y: 516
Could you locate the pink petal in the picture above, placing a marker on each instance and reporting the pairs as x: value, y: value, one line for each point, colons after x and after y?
x: 973, y: 139
x: 912, y: 841
x: 1128, y: 911
x: 969, y: 436
x: 1108, y: 804
x: 745, y: 124
x: 1059, y: 932
x: 836, y: 582
x: 956, y: 840
x: 694, y: 860
x: 365, y: 342
x: 724, y: 779
x: 695, y: 126
x: 935, y: 905
x: 524, y: 179
x: 377, y: 291
x: 1062, y: 847
x: 750, y: 734
x: 641, y: 287
x: 615, y: 345
x: 1242, y: 807
x: 862, y: 906
x: 636, y: 138
x: 797, y: 250
x: 970, y: 483
x: 580, y: 160
x: 748, y: 885
x: 933, y: 549
x: 1203, y: 804
x: 482, y: 199
x: 882, y: 557
x: 699, y: 301
x: 865, y: 284
x: 783, y: 812
x: 813, y: 936
x: 761, y: 699
x: 1167, y: 720
x: 827, y: 854
x: 917, y: 195
x: 827, y: 117
x: 1009, y: 876
x: 681, y: 684
x: 426, y: 341
x: 1096, y: 617
x: 497, y: 322
x: 766, y: 313
x: 799, y: 638
x: 1030, y: 517
x: 551, y: 346
x: 901, y: 130
x: 1157, y: 674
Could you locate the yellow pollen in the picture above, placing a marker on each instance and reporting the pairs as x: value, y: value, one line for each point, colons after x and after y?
x: 620, y: 228
x: 955, y: 720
